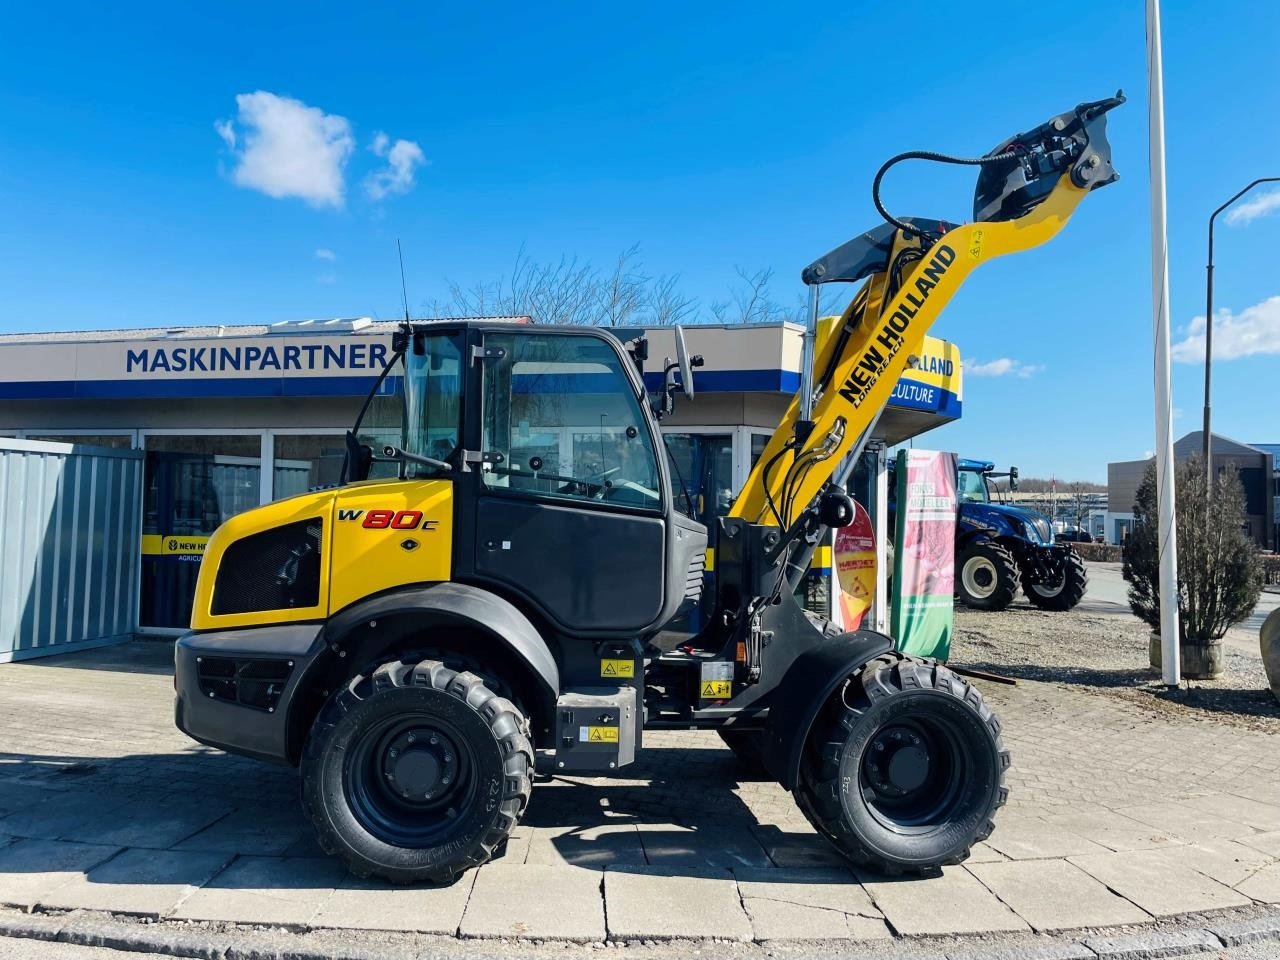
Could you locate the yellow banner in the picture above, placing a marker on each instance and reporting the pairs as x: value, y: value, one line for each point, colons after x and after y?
x: 170, y: 545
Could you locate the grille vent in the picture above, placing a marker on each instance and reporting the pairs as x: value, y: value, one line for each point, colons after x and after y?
x: 693, y: 577
x: 249, y: 683
x: 277, y: 569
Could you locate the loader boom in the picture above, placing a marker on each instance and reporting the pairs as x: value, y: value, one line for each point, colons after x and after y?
x: 910, y: 277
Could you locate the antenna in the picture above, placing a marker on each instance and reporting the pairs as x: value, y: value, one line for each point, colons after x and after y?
x: 404, y: 291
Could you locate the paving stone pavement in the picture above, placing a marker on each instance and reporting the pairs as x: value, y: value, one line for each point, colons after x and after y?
x: 1116, y: 816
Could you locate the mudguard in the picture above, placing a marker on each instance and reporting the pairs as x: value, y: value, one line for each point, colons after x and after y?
x: 808, y: 683
x: 446, y: 605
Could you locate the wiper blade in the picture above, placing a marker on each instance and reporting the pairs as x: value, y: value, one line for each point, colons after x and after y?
x: 392, y: 452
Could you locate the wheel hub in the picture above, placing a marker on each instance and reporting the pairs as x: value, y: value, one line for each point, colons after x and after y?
x: 897, y: 763
x: 420, y: 764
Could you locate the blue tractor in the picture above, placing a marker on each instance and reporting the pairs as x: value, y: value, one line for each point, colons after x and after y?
x: 1000, y: 546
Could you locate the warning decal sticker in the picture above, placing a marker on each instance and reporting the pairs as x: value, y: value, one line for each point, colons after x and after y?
x: 622, y: 669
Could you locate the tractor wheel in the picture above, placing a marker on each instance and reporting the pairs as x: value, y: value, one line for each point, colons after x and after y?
x: 747, y: 748
x: 986, y: 576
x: 904, y: 768
x: 416, y: 772
x: 1066, y: 592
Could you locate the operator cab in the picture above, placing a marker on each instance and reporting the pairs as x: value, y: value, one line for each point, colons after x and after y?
x: 561, y: 490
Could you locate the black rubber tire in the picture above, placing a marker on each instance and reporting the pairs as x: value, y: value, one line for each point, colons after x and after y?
x: 1069, y: 593
x: 890, y: 691
x: 488, y: 727
x: 747, y: 747
x: 998, y: 562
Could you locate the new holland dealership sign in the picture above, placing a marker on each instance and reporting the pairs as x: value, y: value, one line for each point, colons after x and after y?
x: 763, y: 358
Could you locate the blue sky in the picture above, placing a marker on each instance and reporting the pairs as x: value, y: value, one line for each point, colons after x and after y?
x: 715, y: 137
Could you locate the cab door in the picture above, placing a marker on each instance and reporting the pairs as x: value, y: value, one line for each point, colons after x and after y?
x: 572, y: 510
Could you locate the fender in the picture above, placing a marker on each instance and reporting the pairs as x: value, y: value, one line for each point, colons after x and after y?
x: 406, y: 611
x: 805, y: 688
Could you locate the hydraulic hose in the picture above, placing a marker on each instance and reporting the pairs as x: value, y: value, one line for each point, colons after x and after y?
x: 906, y: 228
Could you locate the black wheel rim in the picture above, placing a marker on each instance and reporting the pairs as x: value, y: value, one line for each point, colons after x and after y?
x: 911, y: 774
x: 410, y: 780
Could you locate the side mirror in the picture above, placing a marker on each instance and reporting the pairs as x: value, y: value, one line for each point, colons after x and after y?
x: 359, y: 460
x: 682, y: 360
x: 1013, y: 478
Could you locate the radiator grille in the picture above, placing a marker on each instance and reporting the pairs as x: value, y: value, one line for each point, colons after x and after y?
x: 277, y: 569
x: 693, y: 577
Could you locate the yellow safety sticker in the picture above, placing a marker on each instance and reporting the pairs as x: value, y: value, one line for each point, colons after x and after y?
x: 598, y: 734
x: 167, y: 545
x: 618, y: 668
x: 716, y: 689
x: 975, y: 245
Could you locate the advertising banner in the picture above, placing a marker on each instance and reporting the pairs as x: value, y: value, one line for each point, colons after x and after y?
x: 924, y: 558
x: 855, y: 563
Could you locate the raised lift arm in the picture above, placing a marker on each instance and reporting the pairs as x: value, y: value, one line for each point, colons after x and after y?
x: 1027, y: 190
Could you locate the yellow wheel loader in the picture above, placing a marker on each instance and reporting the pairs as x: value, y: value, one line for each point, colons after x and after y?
x: 491, y: 581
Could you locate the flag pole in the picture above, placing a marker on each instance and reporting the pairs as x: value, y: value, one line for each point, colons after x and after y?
x: 1167, y: 533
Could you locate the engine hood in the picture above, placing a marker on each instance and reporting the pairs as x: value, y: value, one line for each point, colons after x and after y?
x: 1003, y: 517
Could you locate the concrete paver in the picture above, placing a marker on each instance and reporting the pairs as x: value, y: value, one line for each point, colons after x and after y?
x: 797, y: 848
x: 535, y: 900
x: 1056, y: 895
x: 142, y: 882
x: 595, y: 846
x: 253, y: 831
x: 1259, y: 815
x: 1158, y: 886
x: 29, y: 869
x: 1186, y: 820
x: 953, y: 902
x: 61, y: 816
x: 153, y: 824
x: 670, y: 902
x: 1263, y: 886
x: 372, y: 905
x: 808, y: 904
x: 1030, y: 838
x: 1226, y: 861
x: 1113, y: 830
x: 668, y: 844
x: 265, y: 890
x: 1268, y: 843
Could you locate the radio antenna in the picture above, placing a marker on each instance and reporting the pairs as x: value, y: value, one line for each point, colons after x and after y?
x: 404, y: 291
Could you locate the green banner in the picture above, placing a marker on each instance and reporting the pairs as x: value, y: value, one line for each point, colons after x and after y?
x: 924, y: 553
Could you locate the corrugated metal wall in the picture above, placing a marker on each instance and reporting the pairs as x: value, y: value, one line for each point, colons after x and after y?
x: 68, y: 546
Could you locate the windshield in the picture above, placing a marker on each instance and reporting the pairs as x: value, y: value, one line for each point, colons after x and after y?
x: 418, y: 406
x: 972, y: 487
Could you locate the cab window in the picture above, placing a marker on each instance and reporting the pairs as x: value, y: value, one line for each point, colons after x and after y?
x: 566, y: 420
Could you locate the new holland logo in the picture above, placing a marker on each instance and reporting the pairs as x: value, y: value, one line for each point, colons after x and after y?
x: 888, y: 340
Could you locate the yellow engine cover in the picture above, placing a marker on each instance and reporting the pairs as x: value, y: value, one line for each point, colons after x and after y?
x: 376, y: 535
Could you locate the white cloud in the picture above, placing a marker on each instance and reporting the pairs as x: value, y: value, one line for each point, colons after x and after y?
x: 1254, y: 330
x: 403, y: 158
x: 327, y: 278
x: 1002, y: 367
x: 324, y: 253
x: 285, y: 148
x: 1251, y: 210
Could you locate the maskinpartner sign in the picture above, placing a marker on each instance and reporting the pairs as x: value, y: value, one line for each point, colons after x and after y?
x: 763, y: 358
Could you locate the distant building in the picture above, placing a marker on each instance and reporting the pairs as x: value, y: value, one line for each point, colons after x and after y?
x: 1255, y: 463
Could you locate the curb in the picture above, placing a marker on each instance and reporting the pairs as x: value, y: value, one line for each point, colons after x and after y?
x: 131, y: 936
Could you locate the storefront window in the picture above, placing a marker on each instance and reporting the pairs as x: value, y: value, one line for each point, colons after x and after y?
x: 306, y: 463
x: 117, y: 441
x: 702, y: 474
x: 191, y: 485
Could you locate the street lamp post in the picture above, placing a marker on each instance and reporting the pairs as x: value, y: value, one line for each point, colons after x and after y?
x: 1208, y: 331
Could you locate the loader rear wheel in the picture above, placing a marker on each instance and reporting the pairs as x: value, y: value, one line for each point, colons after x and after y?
x: 416, y: 772
x: 986, y: 576
x: 904, y: 769
x: 1065, y: 592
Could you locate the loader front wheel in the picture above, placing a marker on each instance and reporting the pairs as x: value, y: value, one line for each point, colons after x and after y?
x: 416, y: 772
x: 1064, y: 590
x: 904, y: 769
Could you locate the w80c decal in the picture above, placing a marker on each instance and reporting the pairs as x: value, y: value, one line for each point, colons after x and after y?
x: 389, y: 519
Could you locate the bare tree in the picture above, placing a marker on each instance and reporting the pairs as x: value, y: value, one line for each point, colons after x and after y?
x: 750, y: 300
x: 665, y: 305
x: 622, y: 293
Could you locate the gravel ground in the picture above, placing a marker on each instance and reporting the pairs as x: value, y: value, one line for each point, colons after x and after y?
x: 1106, y: 654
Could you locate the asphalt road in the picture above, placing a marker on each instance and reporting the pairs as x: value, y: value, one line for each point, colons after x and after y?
x: 1107, y: 589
